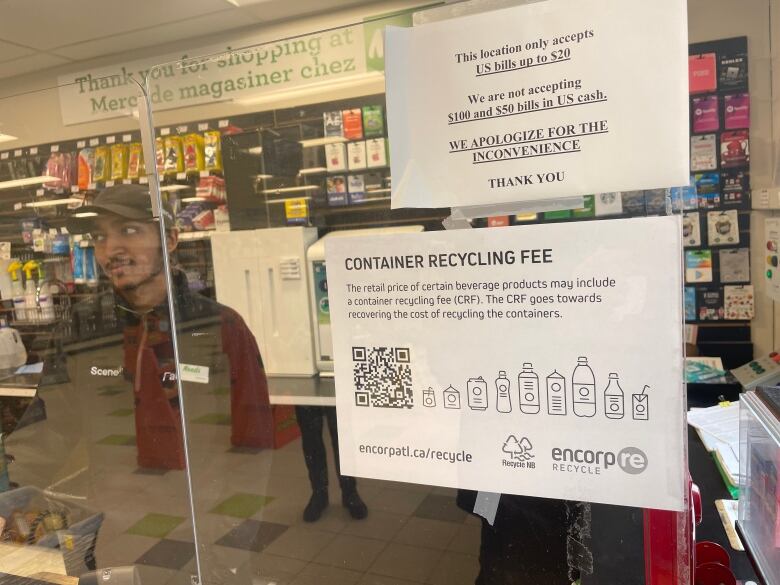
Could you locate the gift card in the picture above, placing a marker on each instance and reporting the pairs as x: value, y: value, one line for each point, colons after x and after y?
x: 705, y: 114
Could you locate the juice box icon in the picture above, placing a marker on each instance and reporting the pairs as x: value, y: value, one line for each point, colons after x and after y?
x: 640, y: 405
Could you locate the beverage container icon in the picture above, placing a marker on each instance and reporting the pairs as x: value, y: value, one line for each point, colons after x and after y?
x: 429, y: 398
x: 451, y: 398
x: 639, y: 405
x: 503, y: 400
x: 583, y: 389
x: 476, y: 390
x: 614, y: 400
x: 556, y: 394
x: 528, y: 382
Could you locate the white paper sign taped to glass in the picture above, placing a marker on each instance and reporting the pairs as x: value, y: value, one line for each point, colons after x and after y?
x: 543, y: 360
x: 552, y: 99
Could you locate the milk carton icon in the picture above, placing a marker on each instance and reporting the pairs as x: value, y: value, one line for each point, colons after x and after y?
x: 476, y: 389
x: 583, y: 389
x: 451, y: 398
x: 528, y: 382
x: 556, y: 394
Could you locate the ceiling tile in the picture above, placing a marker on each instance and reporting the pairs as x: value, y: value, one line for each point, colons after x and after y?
x: 31, y: 63
x: 10, y: 51
x: 272, y: 10
x: 58, y: 23
x: 156, y: 35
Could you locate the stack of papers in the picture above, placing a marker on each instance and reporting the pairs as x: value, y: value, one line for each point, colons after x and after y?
x: 718, y: 427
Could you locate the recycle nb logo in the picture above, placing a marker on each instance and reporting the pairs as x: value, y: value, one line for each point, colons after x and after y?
x: 518, y: 450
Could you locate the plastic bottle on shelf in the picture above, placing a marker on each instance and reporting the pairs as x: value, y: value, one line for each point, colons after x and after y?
x: 17, y: 290
x: 31, y: 312
x: 46, y: 303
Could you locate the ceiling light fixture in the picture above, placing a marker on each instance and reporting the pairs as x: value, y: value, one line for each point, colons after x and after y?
x: 313, y: 171
x: 291, y: 189
x: 28, y: 181
x: 285, y: 199
x: 7, y: 137
x: 366, y: 82
x: 321, y: 141
x: 234, y: 3
x: 53, y: 202
x: 85, y: 214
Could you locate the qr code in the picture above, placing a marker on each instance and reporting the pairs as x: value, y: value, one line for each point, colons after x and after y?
x: 383, y: 377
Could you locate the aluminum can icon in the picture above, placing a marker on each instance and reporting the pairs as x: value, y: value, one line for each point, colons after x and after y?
x: 476, y: 389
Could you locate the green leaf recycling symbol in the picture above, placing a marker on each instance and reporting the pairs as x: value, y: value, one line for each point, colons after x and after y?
x: 520, y: 450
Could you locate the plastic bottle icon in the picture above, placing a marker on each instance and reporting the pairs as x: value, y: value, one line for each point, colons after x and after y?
x: 451, y: 398
x: 476, y: 389
x: 429, y: 398
x: 556, y: 394
x: 583, y: 389
x: 528, y: 382
x: 503, y: 400
x: 614, y: 400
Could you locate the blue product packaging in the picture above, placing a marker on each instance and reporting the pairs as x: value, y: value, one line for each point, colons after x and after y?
x: 90, y: 265
x: 79, y: 276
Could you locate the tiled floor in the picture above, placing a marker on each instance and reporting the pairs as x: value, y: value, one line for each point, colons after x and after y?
x: 248, y: 503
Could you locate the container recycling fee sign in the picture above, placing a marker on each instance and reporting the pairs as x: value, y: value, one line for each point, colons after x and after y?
x: 542, y: 360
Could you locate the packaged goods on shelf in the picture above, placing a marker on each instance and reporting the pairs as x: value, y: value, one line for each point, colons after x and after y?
x: 159, y: 154
x: 337, y: 190
x: 211, y: 188
x: 119, y: 162
x: 59, y: 165
x: 204, y: 220
x: 194, y: 156
x: 376, y: 153
x: 212, y: 148
x: 336, y: 157
x: 135, y: 161
x: 185, y: 219
x: 222, y: 218
x: 357, y: 188
x: 353, y: 123
x: 333, y: 123
x: 174, y: 155
x: 373, y: 121
x: 356, y: 155
x: 296, y: 211
x: 86, y: 166
x: 102, y: 170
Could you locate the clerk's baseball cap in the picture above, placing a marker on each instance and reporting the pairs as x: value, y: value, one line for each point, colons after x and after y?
x: 127, y: 201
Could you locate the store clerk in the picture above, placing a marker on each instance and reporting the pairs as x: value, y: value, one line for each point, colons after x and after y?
x: 128, y: 249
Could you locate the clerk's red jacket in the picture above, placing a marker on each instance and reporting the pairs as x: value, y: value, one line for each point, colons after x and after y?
x: 215, y: 342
